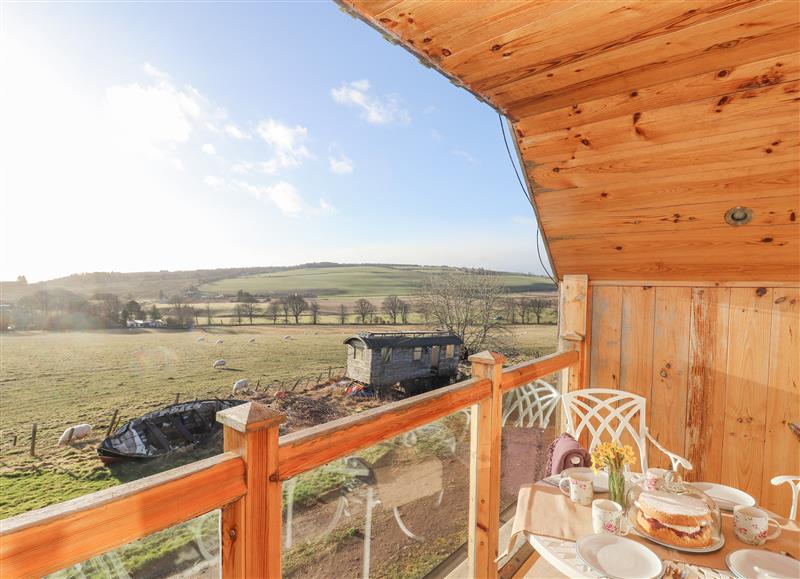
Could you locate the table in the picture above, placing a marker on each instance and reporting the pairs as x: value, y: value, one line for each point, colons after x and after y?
x: 545, y: 507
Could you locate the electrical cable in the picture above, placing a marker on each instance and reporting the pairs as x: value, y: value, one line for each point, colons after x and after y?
x: 527, y: 197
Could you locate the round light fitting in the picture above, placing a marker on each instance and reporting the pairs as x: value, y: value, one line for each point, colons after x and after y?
x: 738, y: 216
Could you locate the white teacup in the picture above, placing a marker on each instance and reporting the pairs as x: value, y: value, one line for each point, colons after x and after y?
x: 654, y: 478
x: 608, y: 517
x: 579, y: 487
x: 751, y: 525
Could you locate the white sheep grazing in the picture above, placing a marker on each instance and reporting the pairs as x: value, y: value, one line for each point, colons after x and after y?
x: 241, y: 386
x: 201, y: 339
x: 218, y: 341
x: 251, y: 340
x: 287, y: 337
x: 74, y: 433
x: 220, y: 363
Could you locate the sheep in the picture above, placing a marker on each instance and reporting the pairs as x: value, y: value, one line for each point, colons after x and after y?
x: 287, y: 337
x: 219, y: 341
x: 74, y: 433
x: 241, y: 386
x: 220, y: 363
x: 251, y: 340
x: 201, y: 339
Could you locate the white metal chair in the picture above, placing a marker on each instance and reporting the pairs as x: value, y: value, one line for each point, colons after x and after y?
x: 794, y: 483
x: 607, y: 412
x: 531, y: 405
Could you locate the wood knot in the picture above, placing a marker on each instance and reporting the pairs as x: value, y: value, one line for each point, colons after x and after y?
x: 603, y: 194
x: 636, y: 117
x: 585, y: 142
x: 446, y: 52
x: 663, y: 373
x: 762, y: 291
x: 780, y: 300
x: 497, y: 47
x: 723, y: 73
x: 618, y: 248
x: 635, y: 93
x: 556, y: 170
x: 427, y: 40
x: 767, y: 240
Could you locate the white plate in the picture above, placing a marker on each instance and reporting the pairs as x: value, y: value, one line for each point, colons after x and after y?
x: 600, y: 482
x: 618, y: 557
x: 716, y: 542
x: 752, y: 563
x: 725, y: 497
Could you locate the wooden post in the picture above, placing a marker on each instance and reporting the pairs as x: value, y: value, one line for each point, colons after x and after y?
x: 14, y: 443
x: 485, y: 437
x: 574, y: 318
x: 251, y: 526
x: 111, y: 424
x: 177, y: 397
x: 33, y: 439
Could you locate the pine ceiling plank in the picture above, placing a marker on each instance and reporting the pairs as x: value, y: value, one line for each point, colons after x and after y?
x: 773, y: 106
x: 712, y: 153
x: 769, y: 209
x: 727, y: 78
x: 547, y: 45
x: 744, y: 36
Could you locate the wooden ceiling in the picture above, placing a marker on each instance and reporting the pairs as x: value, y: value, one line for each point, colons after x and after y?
x: 639, y: 123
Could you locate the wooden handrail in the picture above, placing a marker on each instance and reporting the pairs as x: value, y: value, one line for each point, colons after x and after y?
x: 53, y: 538
x: 307, y: 449
x: 526, y: 372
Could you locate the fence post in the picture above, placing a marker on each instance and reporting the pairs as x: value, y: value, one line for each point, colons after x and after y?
x: 251, y: 526
x: 484, y: 471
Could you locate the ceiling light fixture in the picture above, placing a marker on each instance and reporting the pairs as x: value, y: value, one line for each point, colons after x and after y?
x: 738, y: 216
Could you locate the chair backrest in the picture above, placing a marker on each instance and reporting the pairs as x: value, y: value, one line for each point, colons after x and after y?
x: 531, y: 405
x: 607, y: 414
x: 794, y: 482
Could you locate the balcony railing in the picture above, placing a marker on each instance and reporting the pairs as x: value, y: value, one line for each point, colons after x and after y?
x: 246, y: 480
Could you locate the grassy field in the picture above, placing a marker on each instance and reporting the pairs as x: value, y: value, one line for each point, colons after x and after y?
x: 61, y: 379
x: 354, y: 280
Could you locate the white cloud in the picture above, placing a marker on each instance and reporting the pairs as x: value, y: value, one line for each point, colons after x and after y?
x: 436, y: 135
x: 285, y: 196
x: 214, y: 182
x: 287, y: 146
x: 151, y: 70
x: 236, y: 132
x: 282, y: 195
x: 341, y: 165
x: 373, y: 109
x: 325, y: 207
x: 465, y: 156
x: 209, y: 149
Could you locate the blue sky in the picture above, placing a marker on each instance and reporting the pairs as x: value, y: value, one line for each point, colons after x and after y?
x: 179, y: 136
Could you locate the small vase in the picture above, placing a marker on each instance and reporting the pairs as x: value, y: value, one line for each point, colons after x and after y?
x: 616, y: 486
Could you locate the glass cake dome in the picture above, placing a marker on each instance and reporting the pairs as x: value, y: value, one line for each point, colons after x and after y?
x: 675, y: 514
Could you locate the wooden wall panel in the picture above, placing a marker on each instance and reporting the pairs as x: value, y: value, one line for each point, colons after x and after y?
x: 708, y: 358
x: 745, y: 392
x: 723, y: 375
x: 782, y: 450
x: 667, y: 400
x: 605, y: 346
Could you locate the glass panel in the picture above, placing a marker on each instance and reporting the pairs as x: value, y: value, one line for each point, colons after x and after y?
x: 191, y: 549
x: 530, y: 417
x: 396, y: 509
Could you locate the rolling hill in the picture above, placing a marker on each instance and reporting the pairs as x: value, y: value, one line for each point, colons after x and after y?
x: 354, y: 280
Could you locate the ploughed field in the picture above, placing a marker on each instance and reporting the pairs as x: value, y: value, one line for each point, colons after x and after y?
x: 59, y: 379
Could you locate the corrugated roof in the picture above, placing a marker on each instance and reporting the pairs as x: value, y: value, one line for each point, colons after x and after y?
x: 375, y: 341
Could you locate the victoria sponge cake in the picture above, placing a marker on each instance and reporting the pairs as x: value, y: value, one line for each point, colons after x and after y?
x: 675, y: 519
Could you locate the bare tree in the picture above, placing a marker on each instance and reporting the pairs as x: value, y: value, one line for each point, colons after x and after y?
x: 525, y: 306
x: 539, y: 305
x: 342, y: 313
x: 274, y: 309
x: 298, y: 305
x: 465, y: 304
x: 208, y: 314
x: 392, y: 305
x: 285, y: 308
x: 250, y: 310
x: 511, y: 310
x: 238, y: 311
x: 364, y: 309
x: 405, y: 310
x: 314, y: 307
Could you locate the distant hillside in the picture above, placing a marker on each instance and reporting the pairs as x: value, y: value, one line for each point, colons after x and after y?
x: 354, y: 280
x: 323, y: 279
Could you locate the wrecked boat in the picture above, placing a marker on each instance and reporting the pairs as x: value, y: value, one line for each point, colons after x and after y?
x: 157, y: 433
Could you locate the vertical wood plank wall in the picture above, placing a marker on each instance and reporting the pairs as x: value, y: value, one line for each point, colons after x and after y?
x: 720, y: 367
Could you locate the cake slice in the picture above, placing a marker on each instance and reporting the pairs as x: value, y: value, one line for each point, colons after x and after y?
x: 677, y: 520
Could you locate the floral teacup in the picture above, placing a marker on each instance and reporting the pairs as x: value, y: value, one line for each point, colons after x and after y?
x: 654, y: 478
x: 579, y: 487
x: 608, y: 517
x: 751, y: 525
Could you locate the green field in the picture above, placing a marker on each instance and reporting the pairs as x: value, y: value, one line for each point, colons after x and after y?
x: 58, y: 379
x: 355, y: 280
